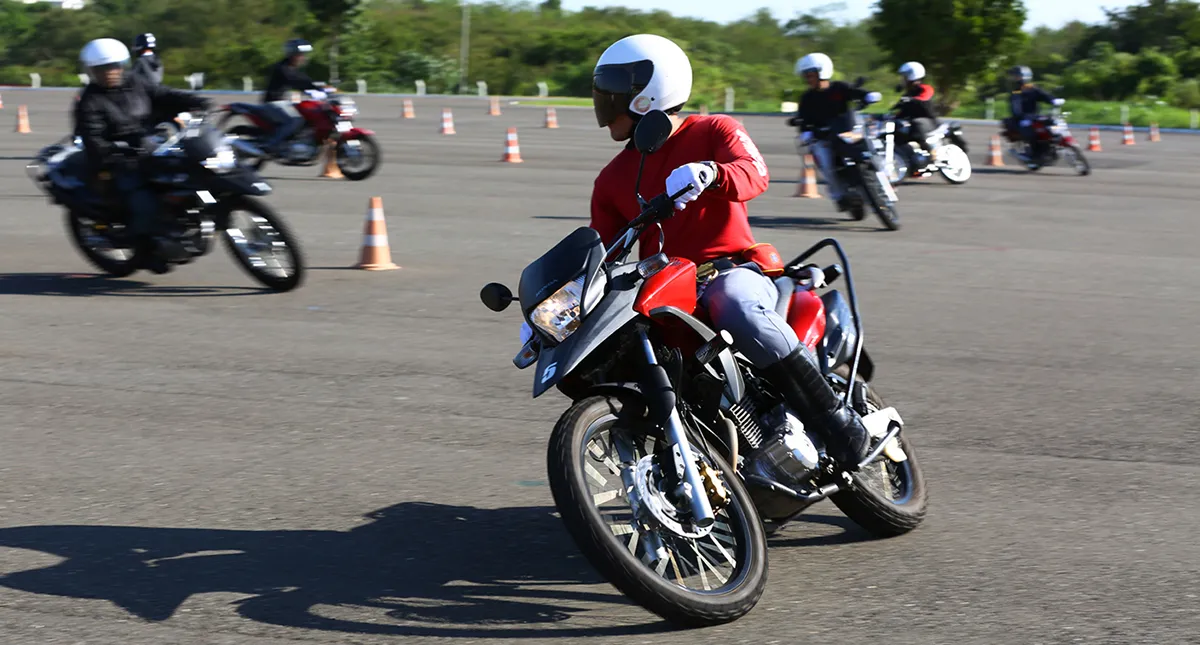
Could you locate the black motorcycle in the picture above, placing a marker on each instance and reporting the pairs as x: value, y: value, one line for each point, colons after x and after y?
x: 676, y: 448
x: 202, y: 190
x: 858, y: 163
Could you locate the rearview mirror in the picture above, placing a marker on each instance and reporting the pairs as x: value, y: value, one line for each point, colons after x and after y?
x: 496, y: 296
x: 652, y: 132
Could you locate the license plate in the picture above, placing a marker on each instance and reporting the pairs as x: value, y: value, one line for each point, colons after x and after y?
x: 344, y: 126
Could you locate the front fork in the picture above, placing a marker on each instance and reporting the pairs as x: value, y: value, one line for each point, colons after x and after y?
x: 661, y: 401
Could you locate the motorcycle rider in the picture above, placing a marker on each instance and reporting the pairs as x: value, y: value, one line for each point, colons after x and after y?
x: 114, y: 115
x: 285, y: 75
x: 916, y: 104
x: 646, y: 72
x: 825, y: 103
x: 1023, y: 103
x: 148, y: 65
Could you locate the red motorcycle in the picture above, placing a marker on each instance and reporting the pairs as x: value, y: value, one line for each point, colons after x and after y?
x: 1052, y: 141
x: 676, y: 449
x: 325, y: 120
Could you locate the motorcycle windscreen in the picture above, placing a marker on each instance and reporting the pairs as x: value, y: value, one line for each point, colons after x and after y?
x: 579, y: 253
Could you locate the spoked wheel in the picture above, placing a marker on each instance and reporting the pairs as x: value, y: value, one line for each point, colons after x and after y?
x: 263, y: 245
x: 96, y: 241
x: 610, y: 490
x: 955, y: 165
x: 888, y: 497
x: 358, y: 158
x: 1074, y: 156
x: 878, y: 198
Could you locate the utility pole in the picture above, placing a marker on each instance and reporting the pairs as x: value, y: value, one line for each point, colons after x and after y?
x: 464, y: 47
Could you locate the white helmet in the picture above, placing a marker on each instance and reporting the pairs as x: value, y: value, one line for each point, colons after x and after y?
x: 638, y: 74
x: 912, y: 71
x: 103, y: 52
x: 816, y: 62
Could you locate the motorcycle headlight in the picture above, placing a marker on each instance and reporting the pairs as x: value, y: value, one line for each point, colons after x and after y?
x: 558, y: 316
x: 223, y: 161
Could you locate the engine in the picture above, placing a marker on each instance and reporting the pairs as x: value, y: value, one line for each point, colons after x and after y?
x: 781, y: 449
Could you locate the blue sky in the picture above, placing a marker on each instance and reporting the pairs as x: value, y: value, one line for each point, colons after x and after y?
x: 1040, y: 12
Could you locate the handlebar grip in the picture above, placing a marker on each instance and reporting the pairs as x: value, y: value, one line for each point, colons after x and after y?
x: 686, y: 189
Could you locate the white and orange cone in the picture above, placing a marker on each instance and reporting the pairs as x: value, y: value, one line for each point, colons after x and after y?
x: 376, y: 253
x: 409, y: 112
x: 512, y: 148
x: 807, y: 187
x: 332, y: 171
x: 23, y: 121
x: 1154, y: 134
x: 1128, y: 140
x: 551, y: 118
x: 1094, y: 141
x: 447, y: 121
x: 494, y: 106
x: 995, y: 152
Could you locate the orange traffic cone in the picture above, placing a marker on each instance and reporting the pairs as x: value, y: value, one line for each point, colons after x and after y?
x: 512, y: 149
x: 409, y: 112
x: 494, y: 106
x: 447, y: 121
x: 331, y: 170
x: 551, y: 118
x: 807, y: 187
x: 23, y: 120
x: 1154, y: 135
x: 995, y: 153
x: 376, y: 253
x: 1094, y: 141
x: 1128, y: 139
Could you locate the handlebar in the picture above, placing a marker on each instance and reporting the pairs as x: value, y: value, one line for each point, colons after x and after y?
x: 657, y: 209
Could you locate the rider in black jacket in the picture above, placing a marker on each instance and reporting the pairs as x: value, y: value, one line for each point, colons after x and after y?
x: 285, y: 75
x: 147, y: 65
x: 916, y: 103
x: 1024, y: 100
x: 114, y: 115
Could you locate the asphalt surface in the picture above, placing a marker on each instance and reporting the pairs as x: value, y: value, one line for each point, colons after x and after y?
x: 188, y: 459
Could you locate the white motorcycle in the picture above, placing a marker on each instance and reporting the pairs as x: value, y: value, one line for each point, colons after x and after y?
x: 904, y: 157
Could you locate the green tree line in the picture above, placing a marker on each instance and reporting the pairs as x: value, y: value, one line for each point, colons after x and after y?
x: 1149, y: 51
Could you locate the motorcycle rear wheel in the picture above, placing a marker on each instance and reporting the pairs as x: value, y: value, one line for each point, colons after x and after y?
x: 116, y: 267
x: 902, y: 506
x: 617, y: 550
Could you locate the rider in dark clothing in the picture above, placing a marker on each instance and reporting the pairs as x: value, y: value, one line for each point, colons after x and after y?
x: 1024, y: 100
x: 916, y: 104
x: 147, y: 65
x: 285, y: 75
x: 113, y: 116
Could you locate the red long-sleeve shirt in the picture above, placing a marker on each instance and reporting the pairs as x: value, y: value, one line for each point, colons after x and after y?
x: 714, y: 225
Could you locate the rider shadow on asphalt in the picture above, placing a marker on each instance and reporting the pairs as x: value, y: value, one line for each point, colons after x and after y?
x: 432, y: 569
x: 90, y: 284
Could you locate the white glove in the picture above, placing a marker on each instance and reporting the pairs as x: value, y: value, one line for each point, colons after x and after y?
x: 1059, y: 101
x: 526, y: 333
x: 873, y: 97
x: 699, y: 175
x: 317, y: 95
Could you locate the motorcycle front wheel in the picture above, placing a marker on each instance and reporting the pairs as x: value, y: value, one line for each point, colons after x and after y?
x: 955, y: 165
x: 95, y: 241
x: 602, y: 456
x: 1074, y: 156
x: 263, y: 245
x: 877, y: 197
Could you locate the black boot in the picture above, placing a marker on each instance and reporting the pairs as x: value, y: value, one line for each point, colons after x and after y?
x: 799, y: 379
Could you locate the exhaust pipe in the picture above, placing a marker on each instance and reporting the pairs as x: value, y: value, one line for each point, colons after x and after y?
x: 245, y: 147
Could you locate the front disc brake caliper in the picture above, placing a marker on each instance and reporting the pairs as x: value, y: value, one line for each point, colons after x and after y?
x: 718, y: 494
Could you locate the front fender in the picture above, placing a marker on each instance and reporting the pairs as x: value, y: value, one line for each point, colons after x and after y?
x: 735, y: 387
x: 357, y: 133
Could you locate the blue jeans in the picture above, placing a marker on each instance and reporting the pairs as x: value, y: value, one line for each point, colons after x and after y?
x: 741, y: 301
x: 140, y: 202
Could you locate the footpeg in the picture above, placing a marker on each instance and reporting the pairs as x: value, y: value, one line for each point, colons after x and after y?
x: 709, y: 351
